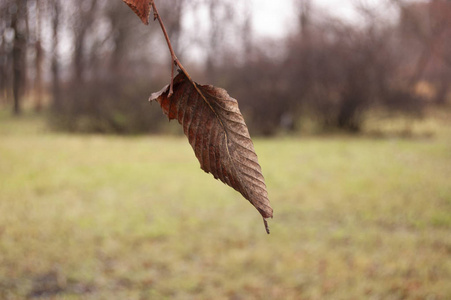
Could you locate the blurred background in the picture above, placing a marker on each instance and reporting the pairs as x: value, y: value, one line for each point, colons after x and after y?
x: 349, y: 105
x: 293, y: 66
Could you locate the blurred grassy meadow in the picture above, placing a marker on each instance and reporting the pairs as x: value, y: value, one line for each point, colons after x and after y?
x: 111, y: 217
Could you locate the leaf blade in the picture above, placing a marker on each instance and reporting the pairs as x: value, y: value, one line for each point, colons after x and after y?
x: 218, y: 134
x: 141, y: 9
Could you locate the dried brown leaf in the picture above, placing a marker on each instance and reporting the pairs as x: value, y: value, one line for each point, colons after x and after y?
x: 141, y: 9
x: 219, y: 137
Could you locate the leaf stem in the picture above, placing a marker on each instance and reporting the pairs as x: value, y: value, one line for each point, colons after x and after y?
x: 266, y: 225
x: 174, y: 60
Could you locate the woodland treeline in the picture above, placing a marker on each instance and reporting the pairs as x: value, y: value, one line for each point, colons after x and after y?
x: 90, y: 65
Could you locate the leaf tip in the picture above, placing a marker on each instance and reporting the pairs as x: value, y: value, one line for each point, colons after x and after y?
x: 266, y: 211
x: 142, y: 9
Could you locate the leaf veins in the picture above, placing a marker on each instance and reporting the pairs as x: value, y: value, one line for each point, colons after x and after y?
x: 219, y: 137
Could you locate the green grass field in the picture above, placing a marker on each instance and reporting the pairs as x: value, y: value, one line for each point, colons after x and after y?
x: 109, y: 217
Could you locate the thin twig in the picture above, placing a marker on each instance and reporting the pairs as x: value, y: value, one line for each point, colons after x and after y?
x: 174, y: 60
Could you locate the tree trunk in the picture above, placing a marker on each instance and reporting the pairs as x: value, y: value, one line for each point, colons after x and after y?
x: 56, y: 93
x: 39, y: 58
x: 18, y: 55
x: 3, y: 53
x: 81, y: 29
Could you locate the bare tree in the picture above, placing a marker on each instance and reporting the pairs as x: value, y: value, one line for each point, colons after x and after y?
x: 4, y: 48
x: 18, y: 24
x: 304, y: 13
x: 87, y: 9
x: 55, y: 7
x: 39, y: 55
x: 425, y: 28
